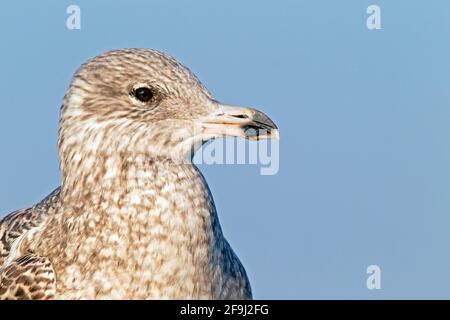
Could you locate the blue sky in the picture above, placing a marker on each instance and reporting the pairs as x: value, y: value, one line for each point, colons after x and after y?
x: 364, y: 118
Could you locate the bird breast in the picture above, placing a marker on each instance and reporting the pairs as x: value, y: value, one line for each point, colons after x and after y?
x: 153, y: 234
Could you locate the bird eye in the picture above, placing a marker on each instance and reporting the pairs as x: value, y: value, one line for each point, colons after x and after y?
x: 143, y: 94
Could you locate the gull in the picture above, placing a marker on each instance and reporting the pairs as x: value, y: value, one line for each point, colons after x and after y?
x: 134, y: 217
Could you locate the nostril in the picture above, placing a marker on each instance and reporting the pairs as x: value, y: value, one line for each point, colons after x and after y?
x: 241, y: 116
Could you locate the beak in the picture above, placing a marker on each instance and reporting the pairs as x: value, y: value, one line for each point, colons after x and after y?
x: 242, y: 122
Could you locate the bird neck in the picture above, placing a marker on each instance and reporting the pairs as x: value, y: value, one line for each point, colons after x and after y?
x: 115, y: 176
x: 124, y: 189
x: 137, y: 218
x: 98, y: 173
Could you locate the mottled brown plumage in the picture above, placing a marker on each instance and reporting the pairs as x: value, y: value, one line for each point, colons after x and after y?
x: 134, y: 218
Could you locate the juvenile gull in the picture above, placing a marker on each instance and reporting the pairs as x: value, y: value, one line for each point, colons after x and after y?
x: 133, y: 218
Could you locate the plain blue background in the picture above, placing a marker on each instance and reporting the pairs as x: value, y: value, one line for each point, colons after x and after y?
x: 364, y: 116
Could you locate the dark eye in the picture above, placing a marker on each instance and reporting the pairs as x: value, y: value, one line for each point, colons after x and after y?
x: 143, y: 94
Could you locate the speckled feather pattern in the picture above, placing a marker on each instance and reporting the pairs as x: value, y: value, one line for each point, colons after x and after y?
x: 130, y: 221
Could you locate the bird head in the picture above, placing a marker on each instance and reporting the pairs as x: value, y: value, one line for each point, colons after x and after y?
x: 140, y: 101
